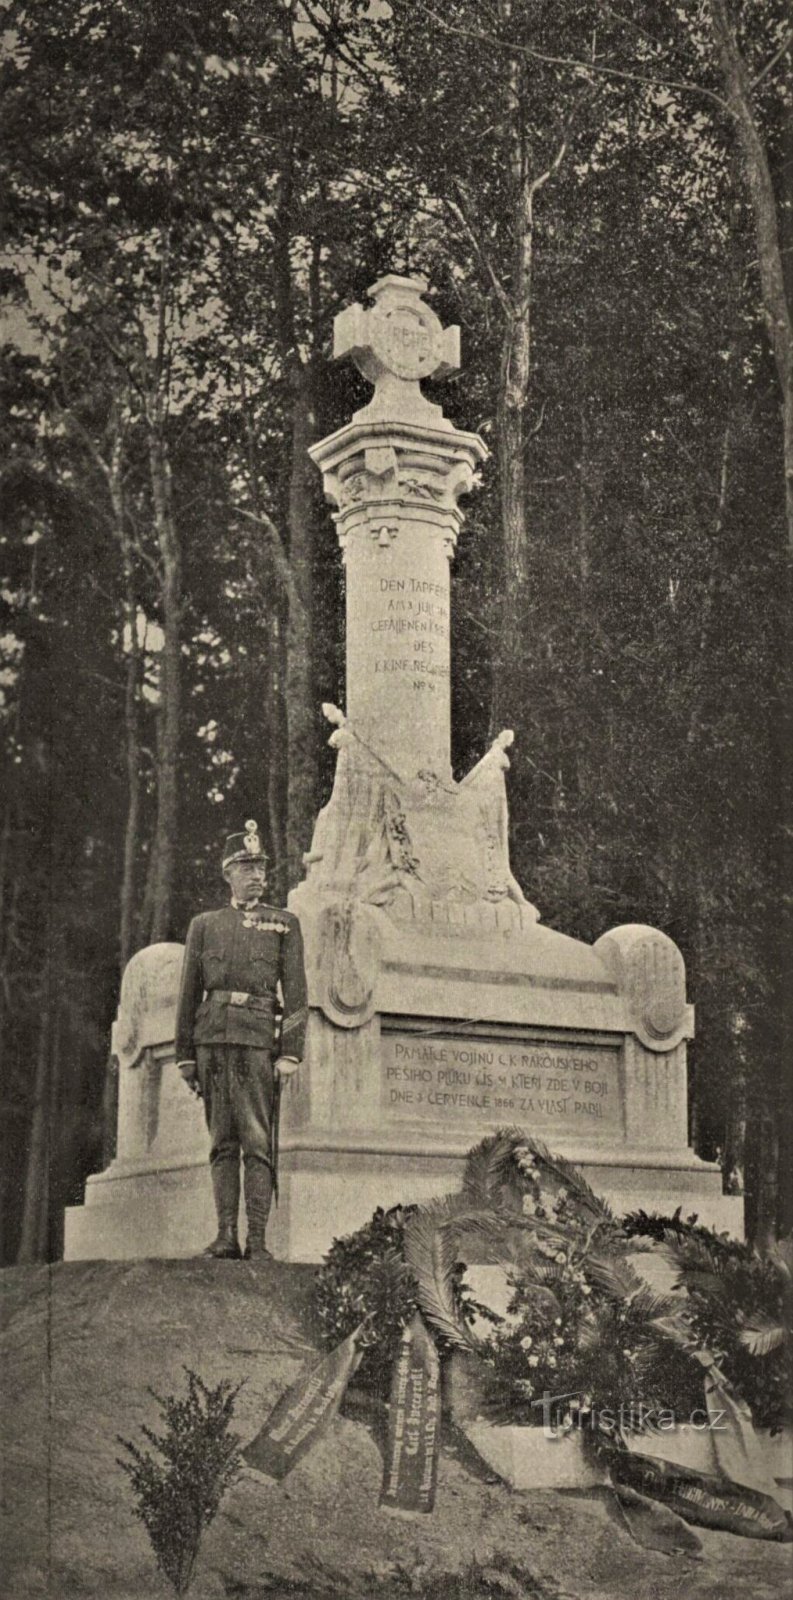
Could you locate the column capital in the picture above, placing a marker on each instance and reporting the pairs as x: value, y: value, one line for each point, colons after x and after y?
x: 381, y: 476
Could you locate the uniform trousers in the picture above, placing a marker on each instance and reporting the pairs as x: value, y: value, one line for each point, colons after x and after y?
x: 237, y: 1084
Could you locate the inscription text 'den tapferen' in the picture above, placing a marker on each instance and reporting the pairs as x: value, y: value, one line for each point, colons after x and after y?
x: 470, y: 1081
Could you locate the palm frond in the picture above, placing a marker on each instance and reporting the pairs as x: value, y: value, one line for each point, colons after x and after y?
x: 615, y: 1276
x: 761, y: 1334
x: 780, y: 1255
x: 571, y: 1179
x: 649, y: 1303
x: 390, y: 1275
x: 538, y: 1269
x: 696, y: 1256
x: 432, y: 1252
x: 487, y: 1166
x: 659, y: 1311
x: 541, y: 1297
x: 697, y: 1282
x: 678, y: 1331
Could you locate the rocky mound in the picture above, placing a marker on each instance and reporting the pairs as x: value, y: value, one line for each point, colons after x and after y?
x: 83, y: 1343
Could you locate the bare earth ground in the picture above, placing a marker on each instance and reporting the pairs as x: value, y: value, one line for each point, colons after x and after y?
x: 83, y: 1341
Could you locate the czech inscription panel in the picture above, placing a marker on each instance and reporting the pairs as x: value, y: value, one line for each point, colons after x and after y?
x: 453, y: 1083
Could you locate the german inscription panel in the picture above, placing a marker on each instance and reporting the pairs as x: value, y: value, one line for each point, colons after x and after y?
x: 410, y: 628
x: 463, y: 1083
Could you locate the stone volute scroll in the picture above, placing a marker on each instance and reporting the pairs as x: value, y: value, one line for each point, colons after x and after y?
x: 650, y: 973
x: 145, y: 1008
x: 142, y: 1044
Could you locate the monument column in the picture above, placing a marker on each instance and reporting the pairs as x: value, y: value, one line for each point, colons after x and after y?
x: 395, y: 474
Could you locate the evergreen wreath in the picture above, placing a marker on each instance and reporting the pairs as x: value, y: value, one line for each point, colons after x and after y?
x: 740, y: 1305
x: 582, y: 1323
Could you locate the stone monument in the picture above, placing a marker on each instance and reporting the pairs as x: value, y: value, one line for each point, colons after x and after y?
x: 441, y: 1008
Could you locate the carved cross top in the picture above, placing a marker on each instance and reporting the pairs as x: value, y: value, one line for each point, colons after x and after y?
x: 396, y: 343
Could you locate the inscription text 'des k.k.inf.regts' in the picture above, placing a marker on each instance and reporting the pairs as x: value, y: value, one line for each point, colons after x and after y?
x: 557, y: 1087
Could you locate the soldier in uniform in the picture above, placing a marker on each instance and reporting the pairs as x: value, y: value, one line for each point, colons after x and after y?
x: 235, y: 963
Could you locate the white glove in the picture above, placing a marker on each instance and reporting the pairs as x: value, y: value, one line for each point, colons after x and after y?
x: 286, y: 1067
x: 190, y: 1074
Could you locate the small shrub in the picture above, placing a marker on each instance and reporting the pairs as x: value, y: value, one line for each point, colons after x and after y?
x: 179, y: 1495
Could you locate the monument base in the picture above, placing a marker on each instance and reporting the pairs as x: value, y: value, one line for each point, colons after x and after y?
x: 329, y: 1187
x: 484, y: 1020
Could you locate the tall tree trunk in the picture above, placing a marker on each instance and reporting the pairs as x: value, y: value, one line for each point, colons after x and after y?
x: 131, y: 852
x: 766, y: 225
x: 764, y: 1120
x: 301, y: 752
x: 158, y: 902
x: 35, y: 1205
x: 513, y: 396
x: 276, y: 786
x: 274, y: 731
x: 132, y: 677
x: 708, y: 598
x: 508, y: 679
x: 302, y: 755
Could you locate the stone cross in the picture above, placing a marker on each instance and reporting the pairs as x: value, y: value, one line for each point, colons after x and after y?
x: 396, y: 344
x: 395, y: 474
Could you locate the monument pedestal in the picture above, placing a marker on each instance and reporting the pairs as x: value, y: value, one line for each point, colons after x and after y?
x: 476, y: 1018
x: 484, y: 1019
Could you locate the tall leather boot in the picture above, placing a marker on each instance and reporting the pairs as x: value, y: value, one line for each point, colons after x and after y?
x: 226, y: 1189
x: 258, y: 1198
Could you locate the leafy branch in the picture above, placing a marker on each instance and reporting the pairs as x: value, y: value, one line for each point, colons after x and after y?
x: 178, y: 1496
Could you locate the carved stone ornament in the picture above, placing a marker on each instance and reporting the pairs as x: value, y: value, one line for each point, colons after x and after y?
x: 407, y: 338
x: 436, y: 839
x: 350, y: 942
x: 400, y: 335
x: 651, y: 974
x: 146, y: 1009
x: 380, y: 486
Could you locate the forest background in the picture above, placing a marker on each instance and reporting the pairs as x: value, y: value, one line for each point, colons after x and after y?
x: 601, y: 198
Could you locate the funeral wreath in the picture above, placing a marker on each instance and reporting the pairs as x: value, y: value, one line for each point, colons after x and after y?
x: 585, y: 1334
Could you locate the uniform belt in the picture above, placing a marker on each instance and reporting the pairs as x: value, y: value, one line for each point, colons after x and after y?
x: 237, y: 997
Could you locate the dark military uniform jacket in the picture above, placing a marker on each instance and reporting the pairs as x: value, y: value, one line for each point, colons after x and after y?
x: 235, y: 962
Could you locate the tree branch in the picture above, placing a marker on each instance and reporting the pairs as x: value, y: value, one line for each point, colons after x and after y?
x: 281, y: 565
x: 333, y: 44
x: 109, y: 344
x: 556, y: 162
x: 481, y: 254
x: 538, y: 424
x: 585, y: 67
x: 769, y: 66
